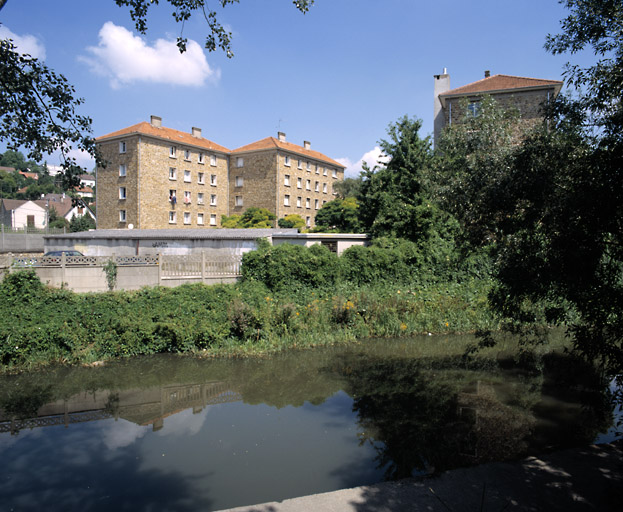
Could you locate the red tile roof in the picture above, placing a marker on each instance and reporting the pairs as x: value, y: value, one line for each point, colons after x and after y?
x: 502, y: 83
x: 273, y: 143
x: 170, y: 134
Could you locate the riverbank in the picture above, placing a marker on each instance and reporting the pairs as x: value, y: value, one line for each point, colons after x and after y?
x: 42, y: 325
x: 588, y: 478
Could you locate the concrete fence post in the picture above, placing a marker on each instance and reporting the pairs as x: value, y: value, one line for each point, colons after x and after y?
x: 63, y: 263
x: 159, y: 269
x: 203, y: 266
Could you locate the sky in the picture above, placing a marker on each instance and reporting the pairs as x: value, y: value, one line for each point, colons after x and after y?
x: 336, y: 76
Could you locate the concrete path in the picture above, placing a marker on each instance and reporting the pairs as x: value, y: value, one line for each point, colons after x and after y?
x: 579, y: 479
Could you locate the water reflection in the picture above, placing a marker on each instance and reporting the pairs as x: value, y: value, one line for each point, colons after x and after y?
x: 212, y: 434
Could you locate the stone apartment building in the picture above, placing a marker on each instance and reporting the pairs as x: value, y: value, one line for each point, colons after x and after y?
x: 527, y: 95
x: 158, y: 178
x: 282, y: 177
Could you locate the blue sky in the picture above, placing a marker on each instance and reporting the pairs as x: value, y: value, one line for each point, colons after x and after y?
x: 336, y: 76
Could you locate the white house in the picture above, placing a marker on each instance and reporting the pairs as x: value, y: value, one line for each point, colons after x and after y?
x: 18, y: 214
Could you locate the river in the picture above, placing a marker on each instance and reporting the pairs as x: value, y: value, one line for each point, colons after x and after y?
x: 183, y: 433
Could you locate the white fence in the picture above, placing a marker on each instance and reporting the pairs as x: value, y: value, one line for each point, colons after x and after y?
x: 86, y: 273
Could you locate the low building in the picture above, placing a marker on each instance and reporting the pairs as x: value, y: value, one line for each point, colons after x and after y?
x: 20, y: 214
x: 527, y: 95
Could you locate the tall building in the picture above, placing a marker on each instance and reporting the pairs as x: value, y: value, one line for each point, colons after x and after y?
x: 527, y: 95
x: 157, y: 178
x: 282, y: 177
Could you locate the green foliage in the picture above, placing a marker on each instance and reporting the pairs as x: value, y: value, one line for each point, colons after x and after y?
x: 471, y: 169
x: 340, y: 215
x: 54, y: 220
x: 218, y: 36
x: 292, y: 221
x: 39, y: 112
x: 21, y: 287
x: 110, y: 269
x: 288, y: 266
x: 252, y: 218
x: 349, y: 187
x: 82, y: 223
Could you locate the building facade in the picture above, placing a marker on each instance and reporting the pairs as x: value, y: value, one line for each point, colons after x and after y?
x: 159, y: 178
x: 282, y: 177
x: 527, y: 95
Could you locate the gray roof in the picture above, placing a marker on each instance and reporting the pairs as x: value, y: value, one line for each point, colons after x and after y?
x: 179, y: 234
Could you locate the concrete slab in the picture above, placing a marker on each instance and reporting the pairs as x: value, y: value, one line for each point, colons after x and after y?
x: 580, y: 479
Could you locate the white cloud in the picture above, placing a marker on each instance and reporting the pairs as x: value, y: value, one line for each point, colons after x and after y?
x: 125, y: 59
x: 372, y: 158
x: 26, y: 44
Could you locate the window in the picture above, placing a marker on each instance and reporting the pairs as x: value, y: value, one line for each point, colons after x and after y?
x: 212, y: 199
x: 201, y: 178
x: 200, y: 198
x: 121, y: 192
x: 324, y: 171
x: 307, y: 203
x: 238, y: 181
x: 186, y: 154
x: 324, y: 201
x: 187, y: 199
x: 308, y: 221
x: 172, y: 218
x: 173, y: 197
x: 300, y: 164
x: 286, y: 180
x: 334, y: 173
x: 186, y: 217
x: 173, y: 152
x: 317, y: 187
x: 121, y: 215
x: 239, y: 201
x: 200, y: 158
x: 308, y: 166
x: 239, y: 162
x: 122, y: 150
x: 187, y: 176
x: 213, y: 219
x: 287, y: 160
x: 324, y: 188
x: 213, y: 180
x: 299, y: 183
x: 317, y: 169
x: 474, y: 108
x: 307, y: 185
x: 122, y: 170
x: 298, y: 202
x: 172, y: 173
x: 316, y: 204
x: 213, y: 160
x: 286, y: 200
x: 200, y: 219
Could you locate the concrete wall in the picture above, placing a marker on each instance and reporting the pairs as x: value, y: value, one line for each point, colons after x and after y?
x: 10, y: 242
x: 133, y: 247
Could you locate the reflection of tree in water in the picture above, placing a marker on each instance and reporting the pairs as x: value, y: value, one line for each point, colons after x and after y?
x: 434, y: 414
x: 24, y: 402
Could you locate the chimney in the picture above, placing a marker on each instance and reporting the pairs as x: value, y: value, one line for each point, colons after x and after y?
x: 196, y: 132
x: 281, y: 136
x: 442, y: 85
x: 307, y: 144
x: 487, y: 73
x: 156, y: 121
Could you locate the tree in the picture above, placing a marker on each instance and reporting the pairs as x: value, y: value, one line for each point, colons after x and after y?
x: 217, y: 36
x: 56, y: 221
x: 340, y: 215
x: 471, y: 168
x: 392, y: 199
x: 559, y: 212
x: 350, y: 187
x: 39, y: 112
x: 291, y: 221
x: 252, y: 218
x: 82, y: 223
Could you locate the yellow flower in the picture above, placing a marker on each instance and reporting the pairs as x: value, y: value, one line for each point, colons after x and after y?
x: 403, y: 326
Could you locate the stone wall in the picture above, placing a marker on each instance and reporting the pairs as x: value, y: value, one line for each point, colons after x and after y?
x: 258, y: 173
x: 529, y: 104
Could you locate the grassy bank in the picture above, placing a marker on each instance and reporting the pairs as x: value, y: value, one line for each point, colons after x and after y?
x: 39, y: 325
